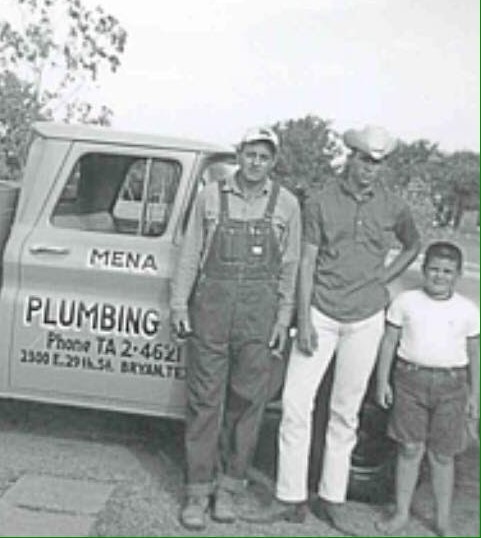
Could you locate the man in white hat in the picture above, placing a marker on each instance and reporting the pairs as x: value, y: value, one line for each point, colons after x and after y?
x: 341, y: 300
x: 242, y: 249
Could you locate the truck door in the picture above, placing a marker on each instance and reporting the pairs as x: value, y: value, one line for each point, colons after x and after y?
x: 91, y: 316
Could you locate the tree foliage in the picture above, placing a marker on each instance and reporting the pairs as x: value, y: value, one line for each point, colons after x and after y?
x: 18, y: 109
x: 429, y: 179
x: 408, y: 162
x: 50, y: 51
x: 308, y: 146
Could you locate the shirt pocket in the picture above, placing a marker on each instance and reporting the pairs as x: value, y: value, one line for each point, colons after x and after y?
x: 280, y: 227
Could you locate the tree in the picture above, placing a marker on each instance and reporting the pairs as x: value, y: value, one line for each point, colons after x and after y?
x: 18, y: 109
x: 408, y: 162
x: 455, y: 187
x: 50, y: 50
x: 308, y: 147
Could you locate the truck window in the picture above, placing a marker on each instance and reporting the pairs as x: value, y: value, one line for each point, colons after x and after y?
x: 119, y: 194
x: 214, y: 169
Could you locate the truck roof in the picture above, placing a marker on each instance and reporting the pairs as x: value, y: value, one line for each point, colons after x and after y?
x: 105, y: 134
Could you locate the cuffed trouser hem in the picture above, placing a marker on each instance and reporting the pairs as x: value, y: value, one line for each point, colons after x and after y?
x: 202, y: 489
x: 228, y: 483
x: 290, y: 500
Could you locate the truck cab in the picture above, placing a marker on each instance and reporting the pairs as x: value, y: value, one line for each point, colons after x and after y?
x: 86, y: 262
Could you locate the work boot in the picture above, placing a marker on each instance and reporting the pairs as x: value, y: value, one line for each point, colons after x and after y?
x: 224, y: 507
x: 337, y: 515
x: 194, y: 512
x: 293, y: 512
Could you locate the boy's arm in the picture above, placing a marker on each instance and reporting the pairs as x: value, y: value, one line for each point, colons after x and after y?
x: 387, y: 351
x: 472, y: 348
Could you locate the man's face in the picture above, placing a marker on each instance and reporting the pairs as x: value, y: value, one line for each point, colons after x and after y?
x: 364, y: 170
x: 256, y: 160
x: 440, y: 276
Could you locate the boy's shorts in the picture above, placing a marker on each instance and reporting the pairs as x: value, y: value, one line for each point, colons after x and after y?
x: 429, y: 407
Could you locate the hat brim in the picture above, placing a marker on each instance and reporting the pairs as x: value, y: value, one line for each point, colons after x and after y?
x: 356, y: 140
x: 266, y: 139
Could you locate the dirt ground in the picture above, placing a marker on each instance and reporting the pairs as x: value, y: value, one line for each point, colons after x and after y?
x: 143, y: 458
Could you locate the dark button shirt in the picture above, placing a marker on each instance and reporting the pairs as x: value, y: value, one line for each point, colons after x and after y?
x: 353, y: 234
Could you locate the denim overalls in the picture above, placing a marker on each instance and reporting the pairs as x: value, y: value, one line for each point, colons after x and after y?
x: 233, y: 311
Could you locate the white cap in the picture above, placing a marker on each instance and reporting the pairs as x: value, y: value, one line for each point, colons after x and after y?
x: 261, y: 134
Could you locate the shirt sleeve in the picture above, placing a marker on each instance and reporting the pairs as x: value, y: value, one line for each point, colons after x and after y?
x: 404, y: 227
x: 290, y: 265
x: 311, y: 222
x: 189, y: 258
x: 394, y: 314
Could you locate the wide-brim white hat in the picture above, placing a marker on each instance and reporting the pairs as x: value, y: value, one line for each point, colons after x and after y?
x: 373, y: 140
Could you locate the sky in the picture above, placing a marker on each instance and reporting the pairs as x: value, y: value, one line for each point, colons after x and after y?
x: 210, y: 69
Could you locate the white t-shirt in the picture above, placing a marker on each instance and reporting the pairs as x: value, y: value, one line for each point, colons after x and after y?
x: 434, y: 331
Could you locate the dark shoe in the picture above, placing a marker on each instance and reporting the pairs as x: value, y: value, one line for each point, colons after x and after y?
x: 279, y: 511
x: 193, y: 514
x: 224, y: 507
x: 337, y: 515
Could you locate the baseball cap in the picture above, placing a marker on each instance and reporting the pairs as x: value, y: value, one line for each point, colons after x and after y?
x: 261, y: 134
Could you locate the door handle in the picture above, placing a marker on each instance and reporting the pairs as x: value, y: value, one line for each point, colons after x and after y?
x: 49, y: 249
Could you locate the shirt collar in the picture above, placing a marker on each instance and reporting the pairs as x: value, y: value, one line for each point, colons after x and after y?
x: 363, y: 196
x: 231, y: 185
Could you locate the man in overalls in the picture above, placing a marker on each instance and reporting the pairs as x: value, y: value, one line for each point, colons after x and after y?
x: 241, y: 249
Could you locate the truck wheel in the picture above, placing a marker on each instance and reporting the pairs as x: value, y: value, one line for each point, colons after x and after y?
x: 371, y: 477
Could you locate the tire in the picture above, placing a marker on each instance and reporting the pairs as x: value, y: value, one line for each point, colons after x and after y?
x: 371, y: 477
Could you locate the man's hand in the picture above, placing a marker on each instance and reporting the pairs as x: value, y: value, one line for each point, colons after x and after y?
x: 384, y: 395
x: 307, y: 338
x: 181, y: 324
x: 472, y: 406
x: 278, y: 340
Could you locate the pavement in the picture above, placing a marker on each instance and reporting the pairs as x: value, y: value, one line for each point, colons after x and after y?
x: 57, y: 487
x: 74, y: 472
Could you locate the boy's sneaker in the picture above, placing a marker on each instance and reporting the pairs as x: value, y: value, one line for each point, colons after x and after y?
x: 194, y: 512
x: 224, y: 507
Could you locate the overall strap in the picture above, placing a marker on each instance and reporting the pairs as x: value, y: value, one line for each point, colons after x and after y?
x: 223, y: 201
x: 271, y: 204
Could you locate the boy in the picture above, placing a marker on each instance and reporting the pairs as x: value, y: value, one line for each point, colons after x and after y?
x: 434, y: 334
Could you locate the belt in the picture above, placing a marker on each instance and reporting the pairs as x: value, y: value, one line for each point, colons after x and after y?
x: 409, y: 365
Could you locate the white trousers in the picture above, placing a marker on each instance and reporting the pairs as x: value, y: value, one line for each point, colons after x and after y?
x: 356, y: 345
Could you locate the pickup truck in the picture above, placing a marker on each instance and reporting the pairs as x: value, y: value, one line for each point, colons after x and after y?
x: 88, y: 243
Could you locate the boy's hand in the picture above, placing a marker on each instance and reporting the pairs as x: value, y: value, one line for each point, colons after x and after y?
x: 384, y: 395
x: 472, y: 417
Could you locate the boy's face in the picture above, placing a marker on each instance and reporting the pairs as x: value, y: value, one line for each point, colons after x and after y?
x: 440, y: 276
